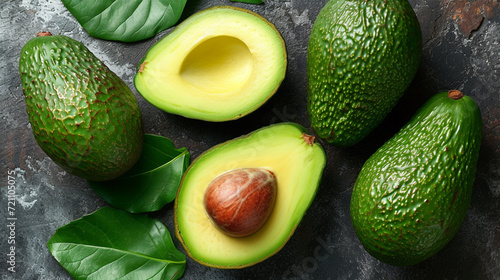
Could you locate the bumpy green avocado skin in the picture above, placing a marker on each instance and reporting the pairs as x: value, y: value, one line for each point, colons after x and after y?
x: 362, y: 56
x: 412, y: 194
x: 83, y: 116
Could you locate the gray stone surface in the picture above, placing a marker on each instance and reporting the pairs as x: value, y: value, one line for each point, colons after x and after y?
x: 461, y: 51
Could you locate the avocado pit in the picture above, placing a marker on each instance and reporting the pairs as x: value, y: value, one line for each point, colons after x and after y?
x: 239, y: 201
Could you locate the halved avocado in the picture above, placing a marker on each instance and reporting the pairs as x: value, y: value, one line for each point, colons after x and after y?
x: 284, y: 149
x: 219, y: 64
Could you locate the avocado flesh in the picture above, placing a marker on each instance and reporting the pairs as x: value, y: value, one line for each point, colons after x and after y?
x: 219, y: 64
x: 413, y: 193
x: 362, y: 56
x: 83, y: 116
x: 281, y: 149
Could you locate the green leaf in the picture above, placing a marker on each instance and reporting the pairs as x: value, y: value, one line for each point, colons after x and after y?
x: 114, y: 244
x: 249, y: 1
x: 125, y: 20
x: 152, y: 182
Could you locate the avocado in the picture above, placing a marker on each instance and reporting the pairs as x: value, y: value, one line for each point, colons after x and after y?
x: 412, y: 194
x: 296, y: 161
x: 219, y: 64
x: 83, y: 116
x: 361, y: 58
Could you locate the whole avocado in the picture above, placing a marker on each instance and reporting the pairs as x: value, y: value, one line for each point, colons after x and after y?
x: 83, y: 115
x: 412, y: 194
x: 362, y: 56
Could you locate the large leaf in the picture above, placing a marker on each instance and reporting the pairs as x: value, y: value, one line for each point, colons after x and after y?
x: 152, y: 182
x: 125, y: 20
x: 114, y: 244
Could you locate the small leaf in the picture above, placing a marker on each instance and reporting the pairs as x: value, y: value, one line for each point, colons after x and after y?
x: 249, y: 1
x: 152, y: 182
x: 114, y: 244
x: 125, y: 20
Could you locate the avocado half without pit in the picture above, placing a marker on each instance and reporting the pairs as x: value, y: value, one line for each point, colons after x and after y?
x: 241, y: 201
x: 217, y: 65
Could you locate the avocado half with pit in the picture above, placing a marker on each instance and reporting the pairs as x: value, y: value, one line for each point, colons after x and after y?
x: 219, y: 64
x: 296, y: 161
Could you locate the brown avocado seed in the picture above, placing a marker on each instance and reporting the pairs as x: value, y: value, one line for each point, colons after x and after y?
x: 239, y: 201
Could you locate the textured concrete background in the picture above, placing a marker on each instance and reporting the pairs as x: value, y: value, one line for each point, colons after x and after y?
x: 461, y: 51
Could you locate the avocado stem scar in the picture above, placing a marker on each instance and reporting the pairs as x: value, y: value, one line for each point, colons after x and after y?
x: 455, y: 94
x: 141, y: 67
x: 308, y: 138
x: 43, y: 33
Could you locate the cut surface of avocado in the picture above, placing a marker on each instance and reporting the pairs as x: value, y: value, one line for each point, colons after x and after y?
x: 283, y: 149
x: 219, y: 64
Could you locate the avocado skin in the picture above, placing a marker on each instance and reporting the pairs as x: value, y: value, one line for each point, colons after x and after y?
x: 83, y: 116
x: 412, y: 194
x: 362, y: 56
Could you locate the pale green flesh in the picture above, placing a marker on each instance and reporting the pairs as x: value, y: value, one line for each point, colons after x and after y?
x: 281, y: 149
x: 220, y: 64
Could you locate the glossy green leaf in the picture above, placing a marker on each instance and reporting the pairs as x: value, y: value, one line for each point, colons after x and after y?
x: 125, y: 20
x: 249, y: 1
x: 152, y: 182
x: 114, y: 244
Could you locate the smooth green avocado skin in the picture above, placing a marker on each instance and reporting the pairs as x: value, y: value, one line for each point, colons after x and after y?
x: 412, y: 194
x: 361, y: 58
x: 83, y: 115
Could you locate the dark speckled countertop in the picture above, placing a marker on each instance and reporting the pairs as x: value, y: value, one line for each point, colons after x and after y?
x: 461, y: 51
